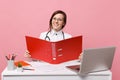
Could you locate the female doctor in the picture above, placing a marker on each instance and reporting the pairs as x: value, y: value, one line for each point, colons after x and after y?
x: 56, y: 24
x: 55, y: 33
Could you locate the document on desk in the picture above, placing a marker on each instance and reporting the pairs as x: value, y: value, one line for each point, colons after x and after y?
x: 46, y: 67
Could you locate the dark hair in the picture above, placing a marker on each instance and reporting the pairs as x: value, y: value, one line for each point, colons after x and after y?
x: 58, y: 12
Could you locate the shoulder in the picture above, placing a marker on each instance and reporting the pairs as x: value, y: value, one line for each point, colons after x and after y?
x: 67, y: 35
x: 43, y: 34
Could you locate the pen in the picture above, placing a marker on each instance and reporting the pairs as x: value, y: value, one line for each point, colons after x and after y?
x: 7, y: 58
x: 28, y: 69
x: 10, y: 57
x: 13, y: 56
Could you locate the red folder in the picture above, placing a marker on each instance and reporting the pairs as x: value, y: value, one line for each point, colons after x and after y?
x: 54, y: 52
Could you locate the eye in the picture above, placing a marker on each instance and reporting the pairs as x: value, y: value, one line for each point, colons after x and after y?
x: 58, y: 19
x: 54, y: 18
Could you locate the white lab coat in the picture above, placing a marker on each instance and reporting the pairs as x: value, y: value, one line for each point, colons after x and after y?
x: 54, y: 36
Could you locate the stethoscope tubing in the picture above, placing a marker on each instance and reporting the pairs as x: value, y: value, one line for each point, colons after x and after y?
x: 47, y: 37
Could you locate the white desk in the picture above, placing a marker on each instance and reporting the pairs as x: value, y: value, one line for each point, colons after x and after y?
x: 46, y: 71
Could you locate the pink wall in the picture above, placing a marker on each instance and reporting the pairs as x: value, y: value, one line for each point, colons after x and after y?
x: 97, y: 20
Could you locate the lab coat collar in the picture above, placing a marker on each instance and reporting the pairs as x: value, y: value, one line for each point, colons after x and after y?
x: 53, y: 32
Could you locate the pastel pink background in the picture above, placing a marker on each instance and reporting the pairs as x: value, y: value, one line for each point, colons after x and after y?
x: 97, y: 20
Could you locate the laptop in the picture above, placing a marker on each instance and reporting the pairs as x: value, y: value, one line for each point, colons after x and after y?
x: 94, y: 60
x: 54, y: 52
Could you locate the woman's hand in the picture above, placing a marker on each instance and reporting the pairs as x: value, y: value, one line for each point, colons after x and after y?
x: 27, y: 54
x: 80, y: 55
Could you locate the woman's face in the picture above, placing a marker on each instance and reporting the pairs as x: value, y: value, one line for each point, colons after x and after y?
x: 57, y: 22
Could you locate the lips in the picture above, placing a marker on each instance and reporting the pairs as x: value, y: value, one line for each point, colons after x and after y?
x: 55, y: 25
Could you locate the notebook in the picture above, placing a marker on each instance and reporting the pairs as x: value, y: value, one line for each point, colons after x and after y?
x: 54, y: 52
x: 23, y: 63
x: 94, y: 60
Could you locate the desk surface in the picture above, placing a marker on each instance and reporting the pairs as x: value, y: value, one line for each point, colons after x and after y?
x: 43, y: 68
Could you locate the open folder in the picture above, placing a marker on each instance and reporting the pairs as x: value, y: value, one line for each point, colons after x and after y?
x: 54, y: 52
